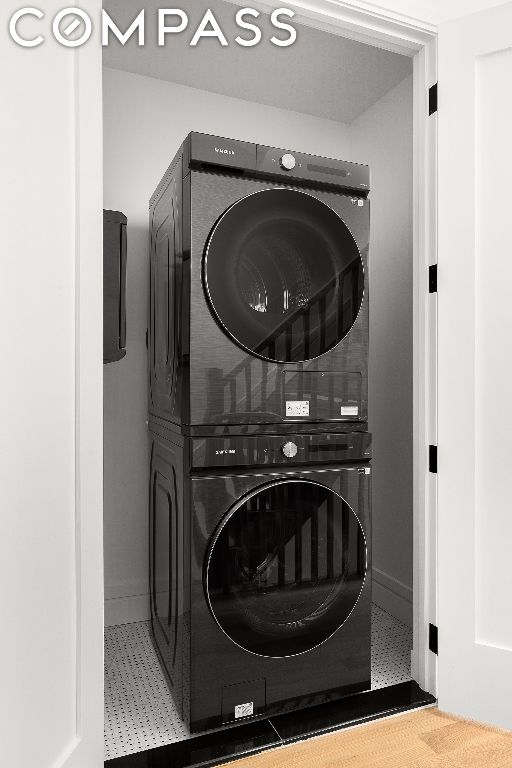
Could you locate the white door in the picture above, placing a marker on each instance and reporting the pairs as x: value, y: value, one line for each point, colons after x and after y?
x: 475, y: 367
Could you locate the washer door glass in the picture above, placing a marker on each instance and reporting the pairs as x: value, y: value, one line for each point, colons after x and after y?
x: 285, y: 568
x: 284, y: 275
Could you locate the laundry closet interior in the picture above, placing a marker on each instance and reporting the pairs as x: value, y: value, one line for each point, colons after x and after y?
x: 328, y: 97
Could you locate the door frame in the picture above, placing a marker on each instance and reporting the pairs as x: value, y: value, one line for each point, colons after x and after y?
x: 357, y: 20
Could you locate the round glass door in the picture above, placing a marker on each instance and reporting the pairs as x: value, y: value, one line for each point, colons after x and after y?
x: 285, y: 568
x: 283, y: 275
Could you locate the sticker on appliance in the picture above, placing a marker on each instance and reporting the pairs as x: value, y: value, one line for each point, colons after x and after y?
x: 244, y: 710
x: 349, y: 410
x: 297, y: 407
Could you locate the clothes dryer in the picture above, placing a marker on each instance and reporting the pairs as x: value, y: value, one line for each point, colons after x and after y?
x: 259, y: 288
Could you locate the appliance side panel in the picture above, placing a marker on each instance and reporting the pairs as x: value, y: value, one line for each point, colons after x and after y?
x: 167, y: 334
x: 167, y: 560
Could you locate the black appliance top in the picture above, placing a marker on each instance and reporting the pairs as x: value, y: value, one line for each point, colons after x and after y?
x: 203, y: 151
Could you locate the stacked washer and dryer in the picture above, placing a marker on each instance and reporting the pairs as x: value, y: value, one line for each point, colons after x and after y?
x: 260, y: 540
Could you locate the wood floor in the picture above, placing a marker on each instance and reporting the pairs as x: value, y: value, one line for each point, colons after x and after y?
x: 426, y: 738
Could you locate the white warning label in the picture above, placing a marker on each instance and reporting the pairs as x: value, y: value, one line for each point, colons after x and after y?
x: 349, y: 410
x: 297, y: 407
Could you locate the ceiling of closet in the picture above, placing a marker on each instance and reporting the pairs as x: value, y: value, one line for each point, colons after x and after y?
x: 321, y: 74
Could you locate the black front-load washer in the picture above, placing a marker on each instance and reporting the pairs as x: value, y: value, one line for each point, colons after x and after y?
x: 260, y: 570
x: 259, y: 288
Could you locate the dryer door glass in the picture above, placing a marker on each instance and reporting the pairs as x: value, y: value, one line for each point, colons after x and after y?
x: 286, y: 568
x: 283, y: 275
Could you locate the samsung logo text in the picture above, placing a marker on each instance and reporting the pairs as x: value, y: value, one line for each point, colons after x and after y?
x: 72, y: 27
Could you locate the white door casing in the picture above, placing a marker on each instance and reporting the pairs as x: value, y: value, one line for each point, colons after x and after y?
x: 423, y: 662
x: 475, y: 369
x: 51, y: 568
x: 403, y: 26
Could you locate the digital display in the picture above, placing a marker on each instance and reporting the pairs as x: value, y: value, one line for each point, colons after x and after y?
x: 330, y: 448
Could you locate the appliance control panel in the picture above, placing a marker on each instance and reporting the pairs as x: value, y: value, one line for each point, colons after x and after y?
x: 263, y: 450
x: 298, y: 165
x: 202, y: 151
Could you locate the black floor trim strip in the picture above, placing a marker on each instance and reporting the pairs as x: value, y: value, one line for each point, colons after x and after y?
x: 218, y: 747
x: 206, y: 750
x: 352, y: 710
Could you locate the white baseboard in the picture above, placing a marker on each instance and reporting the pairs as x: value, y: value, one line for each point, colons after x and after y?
x: 125, y: 610
x: 126, y: 588
x: 393, y: 596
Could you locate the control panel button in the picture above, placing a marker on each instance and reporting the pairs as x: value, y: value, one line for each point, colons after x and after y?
x: 289, y: 449
x: 288, y: 162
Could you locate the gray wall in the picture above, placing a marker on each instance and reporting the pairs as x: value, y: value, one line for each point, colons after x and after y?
x: 382, y: 137
x: 145, y: 120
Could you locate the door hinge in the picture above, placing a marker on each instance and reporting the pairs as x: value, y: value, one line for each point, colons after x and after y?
x: 432, y: 638
x: 432, y: 99
x: 432, y: 278
x: 432, y: 458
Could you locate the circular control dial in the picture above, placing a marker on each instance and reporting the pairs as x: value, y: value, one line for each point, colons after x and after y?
x: 288, y: 162
x: 289, y: 449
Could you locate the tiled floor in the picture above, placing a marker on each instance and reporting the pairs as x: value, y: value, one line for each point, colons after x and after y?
x: 139, y: 710
x: 391, y: 650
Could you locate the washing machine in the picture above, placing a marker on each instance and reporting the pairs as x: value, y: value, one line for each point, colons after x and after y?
x: 260, y: 570
x: 259, y: 289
